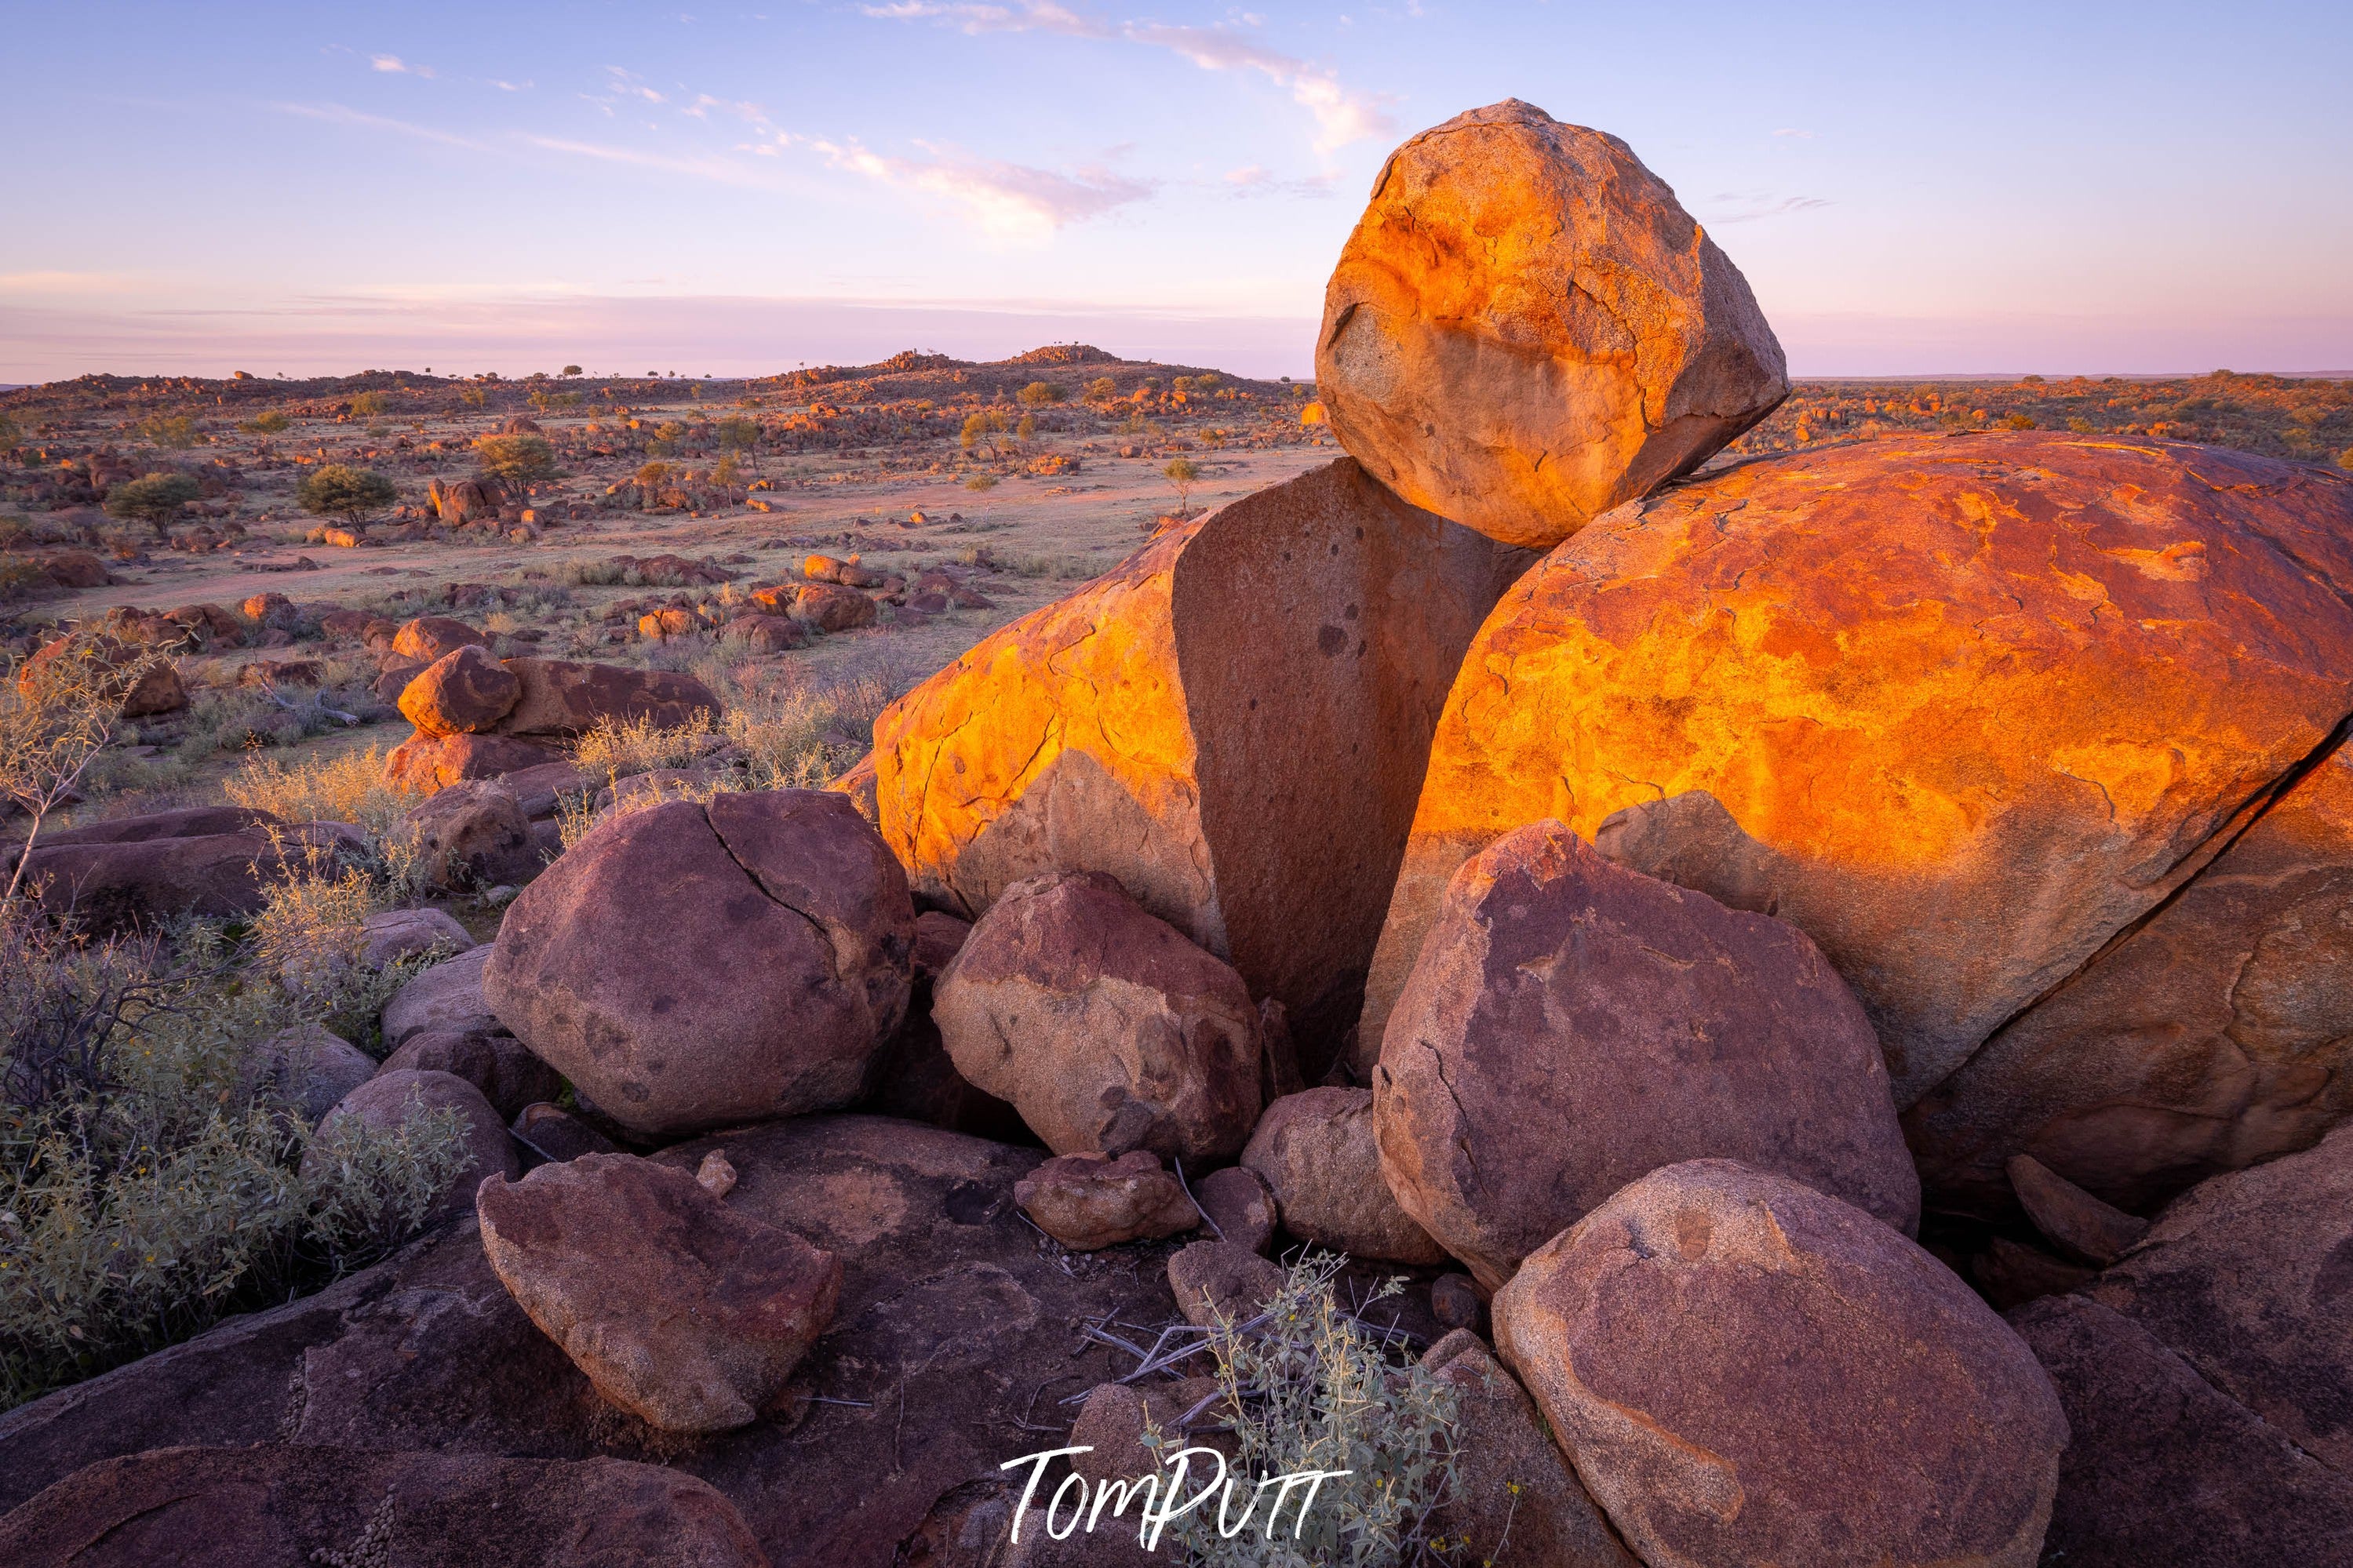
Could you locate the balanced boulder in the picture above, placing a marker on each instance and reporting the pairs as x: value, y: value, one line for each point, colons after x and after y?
x: 1102, y: 1025
x: 1573, y: 1026
x: 462, y: 692
x: 1743, y: 1369
x: 1526, y: 329
x: 1234, y: 723
x: 696, y: 1323
x: 1962, y: 709
x: 1315, y: 1152
x: 1087, y: 1202
x: 689, y: 966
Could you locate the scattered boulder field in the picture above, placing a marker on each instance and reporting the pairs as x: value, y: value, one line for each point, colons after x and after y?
x: 1826, y: 974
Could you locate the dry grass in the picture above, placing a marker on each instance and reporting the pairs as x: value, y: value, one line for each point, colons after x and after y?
x: 351, y: 787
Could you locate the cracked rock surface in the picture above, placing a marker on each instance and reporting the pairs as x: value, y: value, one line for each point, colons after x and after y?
x: 689, y: 967
x: 1967, y: 711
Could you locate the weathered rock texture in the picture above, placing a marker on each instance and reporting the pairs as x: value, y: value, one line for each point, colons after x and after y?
x: 1744, y: 1371
x: 1517, y: 1501
x: 691, y: 966
x: 559, y: 699
x: 695, y: 1325
x: 1963, y: 710
x: 2217, y: 1034
x: 277, y: 1504
x: 1573, y: 1026
x: 472, y: 834
x: 2249, y: 1278
x: 1526, y: 329
x: 2163, y: 1467
x: 1317, y: 1153
x: 1102, y: 1024
x: 1233, y: 723
x: 1087, y: 1202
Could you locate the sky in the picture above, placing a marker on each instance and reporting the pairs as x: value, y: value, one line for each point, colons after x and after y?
x: 721, y: 190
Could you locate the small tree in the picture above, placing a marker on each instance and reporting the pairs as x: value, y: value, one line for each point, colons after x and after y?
x: 570, y: 370
x: 1028, y: 429
x: 1103, y: 389
x: 56, y: 718
x: 268, y: 422
x: 738, y: 433
x: 338, y: 490
x: 368, y: 404
x: 516, y: 460
x: 1039, y: 392
x: 155, y: 500
x: 1184, y: 473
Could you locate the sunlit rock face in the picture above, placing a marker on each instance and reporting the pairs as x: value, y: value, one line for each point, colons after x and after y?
x: 1233, y: 724
x: 1526, y: 329
x: 1967, y: 710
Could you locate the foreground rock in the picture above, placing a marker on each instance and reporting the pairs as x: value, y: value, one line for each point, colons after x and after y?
x: 1315, y: 1150
x: 1516, y: 1500
x: 691, y: 966
x: 137, y: 871
x: 1087, y: 1202
x: 423, y: 763
x: 1180, y: 723
x: 1219, y: 1282
x: 496, y: 1063
x: 696, y: 1325
x: 1743, y: 1369
x: 559, y: 700
x: 950, y: 1320
x: 2249, y: 1278
x: 1572, y: 1026
x: 1100, y: 1025
x: 1526, y: 329
x: 280, y: 1503
x: 2163, y: 1467
x: 2133, y: 647
x: 307, y: 1067
x: 447, y: 997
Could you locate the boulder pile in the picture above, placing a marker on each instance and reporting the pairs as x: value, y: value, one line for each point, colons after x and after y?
x: 1830, y: 987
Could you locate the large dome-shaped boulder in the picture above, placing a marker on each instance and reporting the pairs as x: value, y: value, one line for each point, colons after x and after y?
x: 1102, y: 1024
x: 1526, y: 329
x: 1233, y: 723
x: 1743, y: 1369
x: 1963, y: 710
x: 1573, y: 1026
x: 690, y: 966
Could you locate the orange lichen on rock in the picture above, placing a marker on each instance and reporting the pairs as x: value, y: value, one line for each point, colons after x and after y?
x: 1958, y: 708
x: 1526, y: 329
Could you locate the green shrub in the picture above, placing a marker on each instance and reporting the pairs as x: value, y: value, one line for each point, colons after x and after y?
x: 1315, y: 1388
x: 155, y: 499
x: 1184, y: 473
x: 516, y: 460
x: 1042, y: 392
x: 268, y: 422
x: 149, y: 1187
x: 338, y: 490
x: 10, y: 435
x: 177, y: 431
x: 738, y: 433
x: 368, y: 404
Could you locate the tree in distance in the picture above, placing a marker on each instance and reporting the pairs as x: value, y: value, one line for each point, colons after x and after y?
x: 368, y: 404
x: 338, y: 490
x: 1184, y: 473
x: 1039, y: 392
x: 571, y: 370
x: 737, y: 434
x: 516, y: 460
x: 154, y: 500
x: 177, y: 431
x: 267, y: 422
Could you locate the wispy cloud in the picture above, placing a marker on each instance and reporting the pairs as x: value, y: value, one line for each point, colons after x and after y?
x: 1010, y: 201
x: 1341, y: 115
x: 1793, y: 131
x: 341, y: 114
x: 725, y: 170
x: 1749, y: 208
x: 399, y: 67
x: 1253, y: 180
